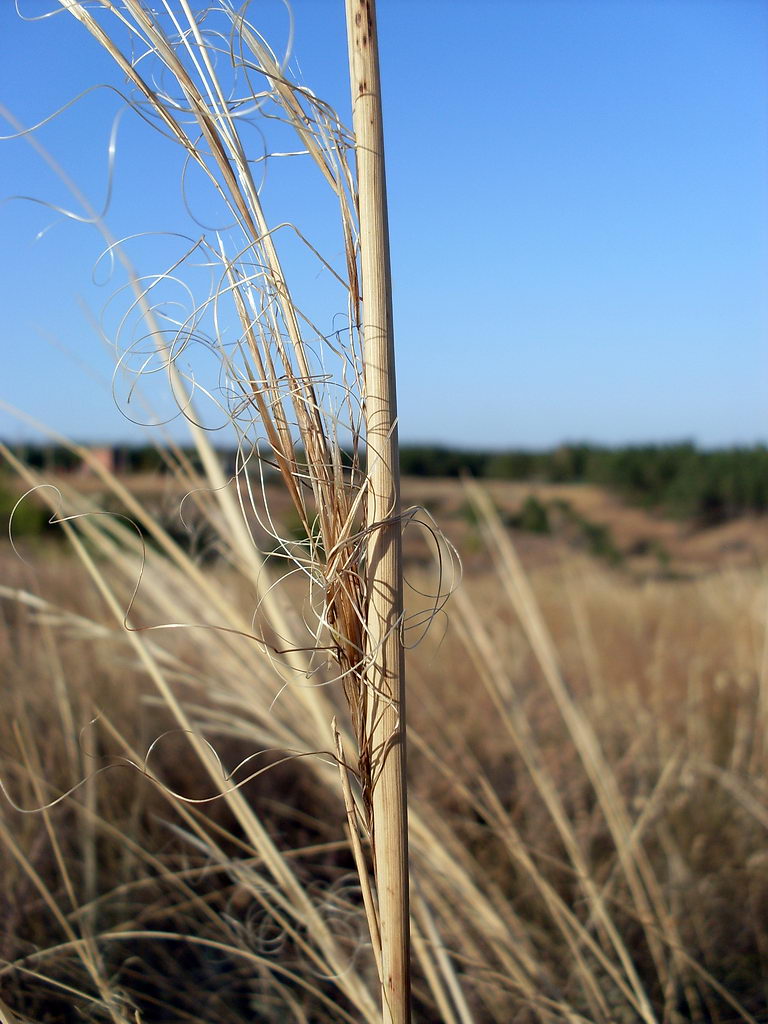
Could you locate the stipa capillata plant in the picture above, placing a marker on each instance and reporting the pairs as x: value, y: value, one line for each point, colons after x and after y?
x: 312, y: 406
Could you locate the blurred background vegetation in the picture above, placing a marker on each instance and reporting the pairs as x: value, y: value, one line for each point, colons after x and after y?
x: 677, y: 480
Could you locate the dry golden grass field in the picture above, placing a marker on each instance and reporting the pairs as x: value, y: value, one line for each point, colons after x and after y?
x: 587, y: 768
x: 206, y: 811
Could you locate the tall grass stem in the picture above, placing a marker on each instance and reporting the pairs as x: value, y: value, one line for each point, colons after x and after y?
x: 384, y: 557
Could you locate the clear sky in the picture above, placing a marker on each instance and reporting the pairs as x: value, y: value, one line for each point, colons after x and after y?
x: 579, y: 215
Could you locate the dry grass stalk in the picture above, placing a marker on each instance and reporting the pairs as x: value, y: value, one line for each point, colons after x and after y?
x: 386, y: 678
x: 350, y: 516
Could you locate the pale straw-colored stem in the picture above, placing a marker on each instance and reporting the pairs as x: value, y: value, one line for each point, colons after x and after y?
x: 385, y: 676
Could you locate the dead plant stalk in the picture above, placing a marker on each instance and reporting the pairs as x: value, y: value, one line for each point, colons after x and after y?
x: 384, y: 561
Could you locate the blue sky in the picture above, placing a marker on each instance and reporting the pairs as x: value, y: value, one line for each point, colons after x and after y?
x: 578, y: 202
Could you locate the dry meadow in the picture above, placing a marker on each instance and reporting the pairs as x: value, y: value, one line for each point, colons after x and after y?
x: 587, y: 771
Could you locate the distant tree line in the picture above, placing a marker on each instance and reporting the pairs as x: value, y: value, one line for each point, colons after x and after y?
x: 125, y: 458
x: 677, y: 479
